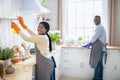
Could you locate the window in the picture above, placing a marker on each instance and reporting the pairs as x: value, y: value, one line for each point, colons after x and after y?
x: 79, y: 18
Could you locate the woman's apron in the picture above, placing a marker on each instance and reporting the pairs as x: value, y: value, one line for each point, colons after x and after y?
x: 45, y: 68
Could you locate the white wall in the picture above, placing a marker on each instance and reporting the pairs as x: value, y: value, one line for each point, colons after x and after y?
x: 11, y: 9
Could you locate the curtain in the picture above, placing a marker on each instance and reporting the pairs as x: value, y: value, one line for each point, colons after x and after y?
x: 64, y: 20
x: 59, y: 15
x: 112, y: 22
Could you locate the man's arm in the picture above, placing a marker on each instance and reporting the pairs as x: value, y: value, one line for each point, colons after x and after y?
x: 97, y: 34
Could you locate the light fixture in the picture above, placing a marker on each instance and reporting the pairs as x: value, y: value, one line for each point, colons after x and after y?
x: 31, y: 6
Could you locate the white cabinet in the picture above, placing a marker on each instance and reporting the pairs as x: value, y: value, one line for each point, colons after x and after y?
x: 112, y: 67
x: 75, y: 62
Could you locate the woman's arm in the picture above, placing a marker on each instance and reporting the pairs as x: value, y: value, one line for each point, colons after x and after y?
x: 25, y: 27
x: 34, y: 39
x: 31, y: 32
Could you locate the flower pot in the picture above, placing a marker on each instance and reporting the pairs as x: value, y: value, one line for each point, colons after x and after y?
x: 7, y: 62
x: 54, y: 45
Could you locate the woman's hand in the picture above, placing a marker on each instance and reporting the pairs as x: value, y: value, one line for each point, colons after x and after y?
x: 20, y: 19
x: 15, y: 27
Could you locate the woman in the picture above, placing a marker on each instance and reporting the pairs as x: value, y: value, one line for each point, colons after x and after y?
x: 45, y: 64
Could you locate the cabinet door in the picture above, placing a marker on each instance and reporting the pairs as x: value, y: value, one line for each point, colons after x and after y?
x: 112, y: 67
x: 67, y: 59
x: 117, y: 65
x: 75, y: 62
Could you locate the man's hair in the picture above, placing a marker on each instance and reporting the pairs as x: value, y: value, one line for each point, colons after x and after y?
x: 98, y: 17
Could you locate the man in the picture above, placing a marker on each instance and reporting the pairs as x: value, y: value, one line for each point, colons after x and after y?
x: 98, y: 43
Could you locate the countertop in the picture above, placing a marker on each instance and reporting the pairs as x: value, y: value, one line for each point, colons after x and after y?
x: 23, y: 70
x: 108, y: 47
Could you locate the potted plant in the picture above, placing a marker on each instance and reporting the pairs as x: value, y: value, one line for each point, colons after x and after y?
x: 6, y: 54
x: 54, y: 38
x: 79, y: 40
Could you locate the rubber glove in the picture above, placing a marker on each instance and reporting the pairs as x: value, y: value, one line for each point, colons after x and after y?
x: 20, y: 19
x: 15, y: 27
x: 87, y: 45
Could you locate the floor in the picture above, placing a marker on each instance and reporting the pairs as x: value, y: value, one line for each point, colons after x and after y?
x: 72, y: 78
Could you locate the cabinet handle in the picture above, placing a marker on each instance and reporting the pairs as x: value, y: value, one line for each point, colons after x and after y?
x: 66, y: 53
x: 66, y: 68
x: 115, y: 67
x: 66, y: 61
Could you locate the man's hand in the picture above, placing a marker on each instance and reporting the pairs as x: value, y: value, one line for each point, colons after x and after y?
x: 87, y: 45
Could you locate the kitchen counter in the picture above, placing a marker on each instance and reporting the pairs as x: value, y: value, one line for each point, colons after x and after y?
x: 108, y: 47
x: 113, y: 47
x: 23, y: 70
